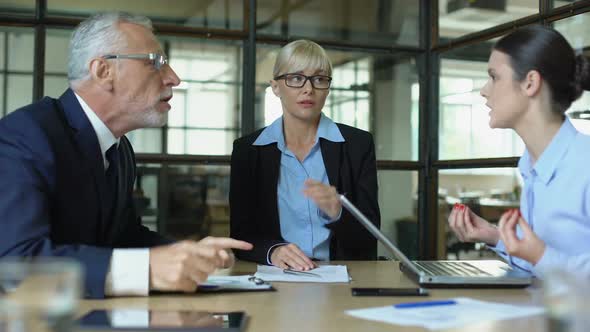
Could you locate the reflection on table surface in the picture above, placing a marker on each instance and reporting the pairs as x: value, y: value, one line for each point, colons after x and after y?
x: 321, y: 307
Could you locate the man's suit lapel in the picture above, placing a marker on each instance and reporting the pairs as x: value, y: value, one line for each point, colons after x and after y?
x: 331, y: 153
x: 85, y: 138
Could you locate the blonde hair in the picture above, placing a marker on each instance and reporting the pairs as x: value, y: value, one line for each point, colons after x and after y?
x: 299, y: 55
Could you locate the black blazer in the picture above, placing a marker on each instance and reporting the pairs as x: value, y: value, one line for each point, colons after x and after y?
x: 54, y: 190
x: 254, y: 215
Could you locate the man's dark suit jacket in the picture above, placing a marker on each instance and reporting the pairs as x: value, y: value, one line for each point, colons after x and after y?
x: 54, y: 190
x: 254, y: 214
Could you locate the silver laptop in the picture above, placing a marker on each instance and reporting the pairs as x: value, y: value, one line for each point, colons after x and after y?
x: 447, y: 274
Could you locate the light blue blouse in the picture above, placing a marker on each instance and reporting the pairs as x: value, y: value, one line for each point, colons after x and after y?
x: 556, y: 203
x: 302, y: 222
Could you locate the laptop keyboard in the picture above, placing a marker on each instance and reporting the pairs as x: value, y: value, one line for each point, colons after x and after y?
x: 450, y: 269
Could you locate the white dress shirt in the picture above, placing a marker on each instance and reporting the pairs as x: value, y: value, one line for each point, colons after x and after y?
x: 128, y: 272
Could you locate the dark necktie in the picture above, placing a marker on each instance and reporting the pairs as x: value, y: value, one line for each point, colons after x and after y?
x: 111, y: 176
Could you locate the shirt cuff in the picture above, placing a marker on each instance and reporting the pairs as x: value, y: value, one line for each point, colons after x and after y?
x: 128, y: 273
x: 500, y: 248
x: 327, y: 217
x: 130, y: 318
x: 270, y: 250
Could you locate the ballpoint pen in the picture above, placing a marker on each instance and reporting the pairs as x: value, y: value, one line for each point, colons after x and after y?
x: 424, y: 304
x: 303, y: 273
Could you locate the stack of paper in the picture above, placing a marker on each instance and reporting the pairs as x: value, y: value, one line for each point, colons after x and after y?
x: 323, y: 273
x: 464, y: 311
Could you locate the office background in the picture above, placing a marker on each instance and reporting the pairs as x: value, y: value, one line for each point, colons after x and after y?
x: 408, y: 71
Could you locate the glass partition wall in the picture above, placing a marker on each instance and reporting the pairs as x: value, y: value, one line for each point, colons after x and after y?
x: 477, y: 165
x: 407, y: 71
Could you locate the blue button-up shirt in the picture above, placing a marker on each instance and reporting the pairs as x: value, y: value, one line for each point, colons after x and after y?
x: 302, y: 222
x: 556, y: 203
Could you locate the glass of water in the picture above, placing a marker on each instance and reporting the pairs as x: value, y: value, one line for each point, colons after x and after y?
x: 39, y: 294
x: 567, y: 300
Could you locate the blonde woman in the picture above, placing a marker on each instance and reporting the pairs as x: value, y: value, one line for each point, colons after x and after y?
x: 285, y: 178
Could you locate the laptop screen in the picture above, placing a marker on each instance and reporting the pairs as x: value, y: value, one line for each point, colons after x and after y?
x: 379, y: 235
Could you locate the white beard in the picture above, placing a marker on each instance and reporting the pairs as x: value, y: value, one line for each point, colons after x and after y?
x: 152, y: 118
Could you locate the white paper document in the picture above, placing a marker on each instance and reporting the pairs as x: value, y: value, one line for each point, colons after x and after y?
x: 223, y: 283
x: 323, y: 273
x: 466, y: 311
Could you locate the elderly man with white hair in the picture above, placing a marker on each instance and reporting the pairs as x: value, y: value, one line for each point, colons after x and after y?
x: 67, y: 169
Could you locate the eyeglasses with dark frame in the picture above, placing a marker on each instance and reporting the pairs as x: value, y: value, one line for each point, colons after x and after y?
x: 294, y: 80
x: 158, y: 60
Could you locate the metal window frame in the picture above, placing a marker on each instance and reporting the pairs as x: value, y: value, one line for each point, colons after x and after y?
x: 428, y: 54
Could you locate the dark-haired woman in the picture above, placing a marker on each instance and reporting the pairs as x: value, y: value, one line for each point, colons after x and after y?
x: 534, y: 76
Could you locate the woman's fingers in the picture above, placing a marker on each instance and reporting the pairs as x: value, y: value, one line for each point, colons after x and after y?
x: 469, y: 228
x: 294, y: 261
x: 460, y: 224
x: 507, y: 230
x: 293, y: 257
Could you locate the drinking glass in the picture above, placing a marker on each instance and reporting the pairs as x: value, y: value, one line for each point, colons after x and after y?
x: 39, y: 294
x: 567, y: 300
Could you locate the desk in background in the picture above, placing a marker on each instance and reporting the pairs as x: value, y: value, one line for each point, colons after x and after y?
x: 320, y: 307
x: 492, y: 209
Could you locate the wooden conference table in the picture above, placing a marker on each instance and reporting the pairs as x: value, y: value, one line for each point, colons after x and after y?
x: 320, y: 307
